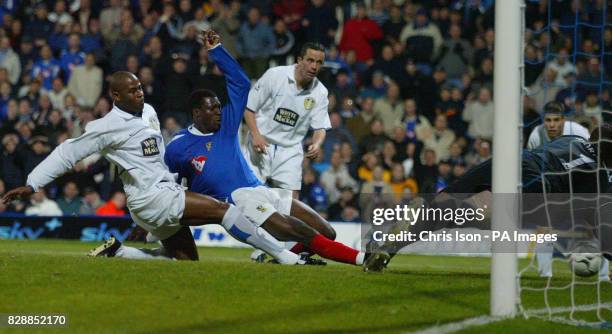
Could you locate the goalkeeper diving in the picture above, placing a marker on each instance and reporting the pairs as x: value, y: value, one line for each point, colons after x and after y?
x: 564, y: 167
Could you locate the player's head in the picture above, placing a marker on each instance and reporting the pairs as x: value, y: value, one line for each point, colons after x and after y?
x: 554, y: 118
x: 205, y: 110
x: 310, y: 60
x: 126, y: 91
x: 602, y: 136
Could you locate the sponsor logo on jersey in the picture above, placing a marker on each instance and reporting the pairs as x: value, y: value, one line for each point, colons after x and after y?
x: 209, y: 146
x: 261, y: 208
x: 149, y: 147
x: 286, y: 117
x: 198, y: 163
x: 309, y: 102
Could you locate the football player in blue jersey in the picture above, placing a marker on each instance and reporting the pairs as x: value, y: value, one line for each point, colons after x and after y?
x: 208, y: 155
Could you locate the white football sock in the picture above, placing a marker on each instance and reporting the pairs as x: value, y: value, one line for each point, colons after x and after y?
x: 241, y: 228
x: 360, y: 258
x: 544, y: 255
x: 133, y: 253
x: 604, y: 271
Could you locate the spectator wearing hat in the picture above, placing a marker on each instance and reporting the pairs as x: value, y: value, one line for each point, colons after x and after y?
x: 114, y: 207
x: 555, y: 125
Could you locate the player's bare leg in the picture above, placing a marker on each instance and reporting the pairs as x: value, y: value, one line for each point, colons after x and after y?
x: 309, y: 216
x: 181, y: 245
x: 287, y: 228
x: 201, y: 209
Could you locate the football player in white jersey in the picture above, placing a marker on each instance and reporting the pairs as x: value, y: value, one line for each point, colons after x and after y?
x: 130, y: 137
x: 555, y: 125
x: 283, y: 105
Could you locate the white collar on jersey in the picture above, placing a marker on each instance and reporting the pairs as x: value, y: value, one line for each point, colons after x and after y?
x: 291, y: 76
x: 194, y: 131
x: 125, y: 114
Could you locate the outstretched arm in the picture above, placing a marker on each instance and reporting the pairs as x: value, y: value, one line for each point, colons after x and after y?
x: 238, y: 83
x: 61, y: 160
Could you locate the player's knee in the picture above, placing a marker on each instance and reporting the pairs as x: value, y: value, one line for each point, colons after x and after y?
x: 330, y: 233
x: 300, y: 230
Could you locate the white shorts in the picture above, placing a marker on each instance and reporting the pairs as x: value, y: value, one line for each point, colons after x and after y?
x: 159, y: 210
x: 259, y: 203
x: 283, y: 165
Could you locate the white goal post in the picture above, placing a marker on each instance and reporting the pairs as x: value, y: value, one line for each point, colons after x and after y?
x: 506, y: 152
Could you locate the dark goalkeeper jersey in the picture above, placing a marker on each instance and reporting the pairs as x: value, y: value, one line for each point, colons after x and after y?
x: 567, y: 164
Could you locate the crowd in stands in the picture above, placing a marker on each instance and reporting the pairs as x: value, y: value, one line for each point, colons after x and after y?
x: 410, y: 82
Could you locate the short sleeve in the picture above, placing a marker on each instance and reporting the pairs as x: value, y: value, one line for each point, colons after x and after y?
x: 320, y: 117
x: 260, y: 92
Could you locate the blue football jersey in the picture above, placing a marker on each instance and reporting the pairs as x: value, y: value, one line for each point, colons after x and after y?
x: 213, y: 162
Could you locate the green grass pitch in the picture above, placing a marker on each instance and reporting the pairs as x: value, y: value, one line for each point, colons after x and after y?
x: 226, y: 293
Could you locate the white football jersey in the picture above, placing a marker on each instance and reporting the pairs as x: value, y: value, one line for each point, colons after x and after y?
x: 133, y: 143
x: 282, y: 111
x: 538, y: 135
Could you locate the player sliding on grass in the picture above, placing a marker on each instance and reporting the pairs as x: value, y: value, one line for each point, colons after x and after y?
x: 566, y: 165
x: 208, y: 155
x: 129, y: 136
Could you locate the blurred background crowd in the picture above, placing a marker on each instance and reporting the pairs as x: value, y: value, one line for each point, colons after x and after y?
x: 410, y: 82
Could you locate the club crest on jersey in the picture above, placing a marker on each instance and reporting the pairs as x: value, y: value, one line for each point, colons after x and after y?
x: 198, y: 163
x: 209, y: 146
x: 149, y: 147
x: 261, y: 208
x: 286, y: 116
x: 309, y: 102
